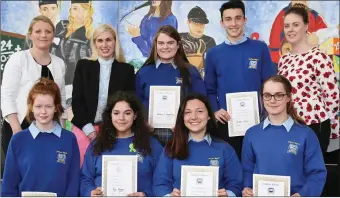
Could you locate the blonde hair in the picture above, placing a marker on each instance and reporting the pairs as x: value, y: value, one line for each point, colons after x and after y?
x: 88, y: 21
x: 34, y: 21
x: 118, y: 53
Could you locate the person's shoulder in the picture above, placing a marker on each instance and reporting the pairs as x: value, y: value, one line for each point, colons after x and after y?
x: 154, y: 142
x: 145, y: 69
x: 19, y: 55
x: 68, y: 134
x: 217, y: 48
x: 21, y: 136
x: 220, y: 144
x: 258, y: 43
x: 301, y: 128
x: 255, y: 129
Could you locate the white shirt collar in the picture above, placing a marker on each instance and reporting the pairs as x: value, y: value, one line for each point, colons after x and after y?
x: 105, y: 62
x: 158, y: 62
x: 35, y: 131
x: 206, y: 138
x: 287, y: 124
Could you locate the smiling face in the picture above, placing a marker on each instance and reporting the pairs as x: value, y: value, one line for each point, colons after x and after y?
x: 123, y: 117
x: 233, y: 21
x: 105, y: 45
x: 43, y: 109
x: 295, y: 29
x: 42, y: 35
x: 166, y: 47
x: 196, y: 116
x: 278, y: 103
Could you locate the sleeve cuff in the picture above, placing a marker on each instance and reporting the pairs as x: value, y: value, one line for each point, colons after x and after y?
x: 88, y: 128
x: 230, y: 193
x: 167, y: 195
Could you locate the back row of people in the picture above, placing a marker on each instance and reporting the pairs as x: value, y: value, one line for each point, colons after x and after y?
x: 45, y: 158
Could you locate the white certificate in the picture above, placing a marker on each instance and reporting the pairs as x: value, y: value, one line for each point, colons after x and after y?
x: 119, y: 175
x: 163, y: 107
x: 37, y: 194
x: 199, y: 181
x: 271, y: 185
x: 244, y: 111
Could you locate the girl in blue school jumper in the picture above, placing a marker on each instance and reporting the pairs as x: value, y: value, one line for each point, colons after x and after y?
x: 124, y: 132
x: 43, y: 157
x: 283, y: 145
x: 195, y: 142
x: 167, y: 65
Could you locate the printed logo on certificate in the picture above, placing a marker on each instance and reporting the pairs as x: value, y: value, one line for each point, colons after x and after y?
x: 37, y: 194
x: 271, y: 185
x: 199, y: 181
x: 244, y: 111
x: 163, y: 106
x: 119, y: 175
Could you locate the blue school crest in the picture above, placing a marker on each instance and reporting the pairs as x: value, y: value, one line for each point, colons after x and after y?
x: 214, y: 161
x: 253, y: 63
x: 179, y: 80
x: 293, y: 147
x: 61, y: 157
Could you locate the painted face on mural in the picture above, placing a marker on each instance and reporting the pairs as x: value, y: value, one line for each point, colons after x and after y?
x: 50, y: 11
x: 166, y: 47
x: 196, y: 116
x: 105, y: 45
x: 43, y: 109
x: 156, y: 3
x: 196, y: 29
x: 233, y: 21
x: 42, y: 35
x: 78, y: 13
x: 122, y: 117
x: 294, y: 28
x: 277, y: 104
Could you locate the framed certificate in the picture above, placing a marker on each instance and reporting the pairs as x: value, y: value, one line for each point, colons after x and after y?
x: 244, y: 111
x: 37, y: 194
x: 199, y: 181
x: 119, y: 175
x: 271, y: 185
x: 163, y: 107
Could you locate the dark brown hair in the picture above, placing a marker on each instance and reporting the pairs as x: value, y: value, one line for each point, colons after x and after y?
x: 107, y: 136
x: 233, y: 4
x: 300, y: 10
x: 180, y: 58
x: 164, y: 9
x: 178, y: 146
x: 288, y: 88
x: 44, y: 87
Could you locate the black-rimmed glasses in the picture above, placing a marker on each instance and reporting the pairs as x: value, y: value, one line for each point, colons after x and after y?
x: 277, y: 96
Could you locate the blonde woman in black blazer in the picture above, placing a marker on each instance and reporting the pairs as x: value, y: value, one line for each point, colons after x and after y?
x: 95, y: 79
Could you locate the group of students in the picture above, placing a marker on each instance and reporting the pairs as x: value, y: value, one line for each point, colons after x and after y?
x: 109, y: 99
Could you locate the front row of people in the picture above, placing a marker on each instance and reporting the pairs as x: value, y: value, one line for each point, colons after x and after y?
x: 45, y: 157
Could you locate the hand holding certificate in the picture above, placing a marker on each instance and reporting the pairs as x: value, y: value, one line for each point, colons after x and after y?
x: 119, y: 175
x: 244, y: 112
x: 163, y: 107
x: 271, y: 185
x: 199, y: 181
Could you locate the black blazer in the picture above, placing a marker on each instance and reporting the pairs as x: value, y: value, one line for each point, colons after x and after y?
x: 86, y: 88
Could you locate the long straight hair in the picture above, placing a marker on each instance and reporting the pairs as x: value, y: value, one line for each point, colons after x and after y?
x: 164, y: 9
x: 180, y: 59
x: 288, y: 88
x: 178, y: 146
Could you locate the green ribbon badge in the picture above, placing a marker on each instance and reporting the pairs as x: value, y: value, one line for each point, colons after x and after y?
x: 132, y: 148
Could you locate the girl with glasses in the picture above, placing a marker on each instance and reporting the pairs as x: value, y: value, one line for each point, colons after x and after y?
x: 283, y: 145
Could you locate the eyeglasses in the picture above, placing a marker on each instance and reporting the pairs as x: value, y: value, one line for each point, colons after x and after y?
x: 277, y: 97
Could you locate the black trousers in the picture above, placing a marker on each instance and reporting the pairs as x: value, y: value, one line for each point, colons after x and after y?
x: 323, y: 131
x: 6, y: 134
x: 235, y: 142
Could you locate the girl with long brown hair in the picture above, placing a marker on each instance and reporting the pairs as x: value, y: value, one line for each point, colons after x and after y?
x: 283, y: 145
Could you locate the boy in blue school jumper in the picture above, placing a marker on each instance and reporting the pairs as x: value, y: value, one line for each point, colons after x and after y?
x: 237, y: 65
x: 196, y: 143
x: 283, y: 145
x: 43, y: 157
x: 118, y: 139
x: 169, y: 68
